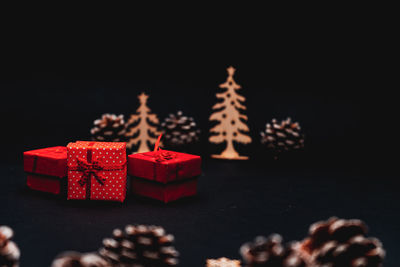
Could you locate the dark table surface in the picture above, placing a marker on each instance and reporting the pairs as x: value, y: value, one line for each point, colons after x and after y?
x: 314, y: 72
x: 236, y: 202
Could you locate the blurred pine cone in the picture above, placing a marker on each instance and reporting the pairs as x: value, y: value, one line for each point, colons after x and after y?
x: 142, y: 245
x: 179, y: 131
x: 76, y: 259
x: 283, y: 136
x: 109, y: 128
x: 338, y: 242
x: 270, y: 252
x: 9, y: 252
x: 222, y: 262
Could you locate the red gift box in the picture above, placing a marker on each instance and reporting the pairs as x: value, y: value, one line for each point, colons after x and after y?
x: 164, y: 192
x: 97, y: 170
x: 164, y: 166
x: 164, y: 175
x: 46, y: 168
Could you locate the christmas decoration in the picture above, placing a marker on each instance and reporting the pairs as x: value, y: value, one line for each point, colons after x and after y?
x: 76, y: 259
x: 164, y: 166
x: 109, y: 128
x: 140, y: 245
x: 9, y: 252
x: 231, y: 126
x: 222, y: 262
x: 97, y: 170
x: 283, y: 136
x: 179, y: 131
x: 141, y: 127
x: 164, y: 175
x: 270, y: 252
x: 46, y: 169
x: 338, y: 242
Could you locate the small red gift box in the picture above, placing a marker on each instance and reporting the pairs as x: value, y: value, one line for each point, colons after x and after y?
x: 164, y: 175
x: 46, y: 168
x: 97, y: 170
x: 164, y: 166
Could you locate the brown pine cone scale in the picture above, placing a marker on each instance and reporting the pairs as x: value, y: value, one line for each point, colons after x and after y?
x: 282, y: 136
x: 270, y: 252
x: 76, y: 259
x: 140, y: 245
x: 179, y: 130
x: 109, y: 128
x: 342, y: 243
x: 9, y: 252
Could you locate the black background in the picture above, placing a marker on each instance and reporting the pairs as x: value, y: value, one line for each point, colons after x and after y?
x: 52, y: 92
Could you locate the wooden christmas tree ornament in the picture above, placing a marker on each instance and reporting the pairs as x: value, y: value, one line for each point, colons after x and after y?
x: 143, y: 125
x: 231, y: 126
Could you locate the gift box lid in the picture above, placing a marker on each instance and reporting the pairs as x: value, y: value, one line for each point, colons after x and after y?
x: 50, y: 161
x: 110, y: 154
x: 164, y: 166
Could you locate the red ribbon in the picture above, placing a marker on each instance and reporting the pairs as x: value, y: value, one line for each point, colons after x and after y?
x: 161, y: 155
x: 88, y: 169
x: 157, y: 144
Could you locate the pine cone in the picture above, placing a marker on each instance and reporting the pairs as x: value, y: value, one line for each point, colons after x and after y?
x: 179, y: 131
x: 283, y: 136
x: 223, y: 262
x: 76, y: 259
x: 109, y: 128
x: 338, y: 242
x: 270, y: 252
x: 142, y: 245
x: 9, y: 252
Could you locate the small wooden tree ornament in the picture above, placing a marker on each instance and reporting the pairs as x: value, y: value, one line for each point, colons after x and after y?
x: 231, y: 126
x: 143, y: 124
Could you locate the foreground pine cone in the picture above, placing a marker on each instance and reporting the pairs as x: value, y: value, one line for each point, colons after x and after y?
x: 142, y: 245
x: 76, y: 259
x: 283, y: 136
x: 223, y: 262
x: 109, y: 128
x: 179, y: 130
x: 342, y: 243
x: 270, y: 252
x: 9, y: 252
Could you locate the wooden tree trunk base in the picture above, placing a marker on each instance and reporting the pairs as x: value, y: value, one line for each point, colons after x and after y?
x: 230, y: 158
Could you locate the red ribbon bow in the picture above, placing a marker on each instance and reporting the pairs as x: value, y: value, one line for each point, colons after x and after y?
x: 161, y: 155
x: 164, y: 155
x: 89, y: 168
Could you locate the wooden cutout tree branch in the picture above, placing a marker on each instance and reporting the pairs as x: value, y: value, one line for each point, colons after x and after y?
x: 231, y: 125
x: 143, y: 124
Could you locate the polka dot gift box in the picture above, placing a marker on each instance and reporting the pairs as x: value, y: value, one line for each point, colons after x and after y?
x: 97, y: 170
